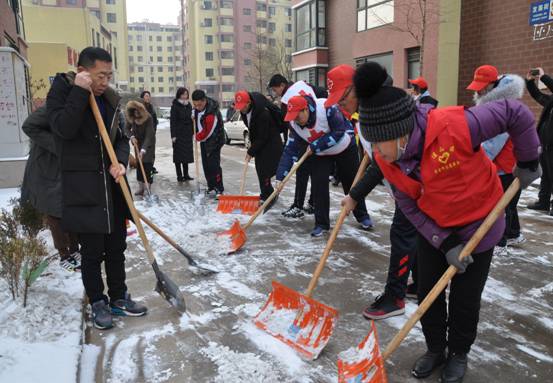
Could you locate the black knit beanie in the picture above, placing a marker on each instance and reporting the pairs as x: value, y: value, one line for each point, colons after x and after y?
x: 388, y: 114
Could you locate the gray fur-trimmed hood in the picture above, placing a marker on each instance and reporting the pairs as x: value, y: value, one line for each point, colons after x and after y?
x: 136, y: 112
x: 510, y: 87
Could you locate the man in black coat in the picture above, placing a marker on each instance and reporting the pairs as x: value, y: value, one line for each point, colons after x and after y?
x: 266, y: 144
x: 211, y: 135
x: 545, y: 131
x: 93, y: 205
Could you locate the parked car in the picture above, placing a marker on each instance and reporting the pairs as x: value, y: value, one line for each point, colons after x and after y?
x: 236, y: 130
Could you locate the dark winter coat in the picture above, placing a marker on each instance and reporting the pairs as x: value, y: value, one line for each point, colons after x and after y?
x: 182, y: 129
x: 217, y: 139
x: 429, y: 100
x: 42, y: 180
x: 87, y: 185
x: 545, y: 125
x: 150, y: 108
x: 266, y: 144
x: 140, y: 126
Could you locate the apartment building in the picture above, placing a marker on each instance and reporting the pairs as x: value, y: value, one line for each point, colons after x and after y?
x: 155, y: 60
x: 57, y: 30
x: 235, y: 44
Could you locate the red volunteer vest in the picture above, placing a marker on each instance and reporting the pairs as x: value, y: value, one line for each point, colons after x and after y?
x: 458, y: 186
x: 506, y: 160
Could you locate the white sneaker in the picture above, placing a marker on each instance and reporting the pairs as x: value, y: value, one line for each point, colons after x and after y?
x: 516, y: 241
x: 500, y: 251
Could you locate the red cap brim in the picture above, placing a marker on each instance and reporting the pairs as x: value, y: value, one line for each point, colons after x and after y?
x: 334, y: 97
x: 291, y: 115
x: 477, y: 85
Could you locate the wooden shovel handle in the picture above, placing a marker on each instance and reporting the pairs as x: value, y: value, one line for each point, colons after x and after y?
x: 121, y: 180
x: 196, y: 149
x: 278, y: 190
x: 243, y: 182
x: 452, y: 270
x: 137, y: 154
x: 335, y: 230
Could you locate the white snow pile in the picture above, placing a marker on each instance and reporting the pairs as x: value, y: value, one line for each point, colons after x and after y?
x: 42, y: 342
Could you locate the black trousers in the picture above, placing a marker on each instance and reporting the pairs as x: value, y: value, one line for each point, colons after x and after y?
x: 265, y: 186
x: 512, y: 224
x: 148, y: 169
x: 454, y: 326
x: 110, y: 249
x: 182, y: 170
x: 212, y: 168
x: 546, y: 181
x: 403, y: 240
x: 320, y: 168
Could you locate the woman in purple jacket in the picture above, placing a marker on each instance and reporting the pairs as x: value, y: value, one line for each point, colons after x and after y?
x: 445, y: 185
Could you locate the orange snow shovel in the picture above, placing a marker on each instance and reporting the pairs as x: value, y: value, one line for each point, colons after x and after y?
x: 237, y: 233
x: 356, y: 363
x: 298, y: 320
x: 239, y: 204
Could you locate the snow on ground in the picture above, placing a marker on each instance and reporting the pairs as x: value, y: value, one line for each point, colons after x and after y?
x: 42, y: 342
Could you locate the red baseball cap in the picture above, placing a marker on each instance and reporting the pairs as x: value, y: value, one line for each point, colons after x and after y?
x: 295, y: 105
x: 338, y: 80
x: 420, y: 82
x: 483, y: 76
x: 241, y: 99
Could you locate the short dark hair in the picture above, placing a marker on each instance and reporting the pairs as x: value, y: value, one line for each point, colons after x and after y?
x: 89, y: 56
x: 198, y: 95
x: 180, y: 92
x: 276, y: 80
x: 145, y: 92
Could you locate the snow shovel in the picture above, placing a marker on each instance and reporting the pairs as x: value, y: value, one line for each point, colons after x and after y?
x: 239, y: 204
x: 196, y: 155
x: 150, y: 198
x: 237, y: 233
x: 197, y: 269
x: 164, y: 286
x: 365, y: 364
x: 298, y: 320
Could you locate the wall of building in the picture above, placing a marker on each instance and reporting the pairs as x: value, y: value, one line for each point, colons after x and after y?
x: 497, y: 32
x: 448, y: 52
x: 9, y: 36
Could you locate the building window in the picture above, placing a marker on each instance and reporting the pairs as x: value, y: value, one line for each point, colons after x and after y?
x: 170, y: 59
x: 247, y: 28
x: 159, y: 38
x: 169, y: 49
x: 288, y: 28
x: 247, y: 62
x: 227, y: 38
x: 262, y: 39
x: 111, y: 17
x: 140, y: 68
x: 413, y: 64
x: 141, y: 80
x: 261, y: 23
x: 227, y: 71
x: 272, y: 42
x: 374, y: 13
x: 208, y: 56
x: 139, y: 48
x: 151, y: 59
x: 159, y: 69
x: 272, y: 27
x: 150, y: 38
x: 288, y: 43
x: 272, y: 11
x: 247, y: 45
x: 159, y: 59
x: 169, y: 39
x: 209, y: 72
x: 159, y: 49
x: 384, y: 59
x: 160, y: 79
x: 227, y: 55
x: 226, y: 21
x: 110, y: 1
x: 140, y: 59
x: 262, y: 7
x: 310, y: 25
x: 160, y: 89
x: 228, y: 88
x: 207, y: 5
x: 71, y: 2
x: 315, y: 76
x: 246, y: 11
x: 207, y: 22
x: 208, y: 39
x: 152, y: 79
x: 289, y: 12
x: 225, y: 4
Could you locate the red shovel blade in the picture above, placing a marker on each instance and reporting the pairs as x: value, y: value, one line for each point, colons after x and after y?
x: 362, y: 364
x: 301, y: 322
x: 237, y: 236
x: 238, y: 204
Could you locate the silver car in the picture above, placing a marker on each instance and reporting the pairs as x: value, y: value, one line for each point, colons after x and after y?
x: 236, y: 130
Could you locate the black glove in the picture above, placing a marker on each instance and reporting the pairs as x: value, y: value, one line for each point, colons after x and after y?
x: 527, y: 172
x: 452, y: 257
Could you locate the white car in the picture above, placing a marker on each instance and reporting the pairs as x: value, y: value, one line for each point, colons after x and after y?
x: 236, y: 130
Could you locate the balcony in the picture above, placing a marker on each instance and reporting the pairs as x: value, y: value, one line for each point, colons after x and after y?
x: 226, y: 29
x: 226, y: 12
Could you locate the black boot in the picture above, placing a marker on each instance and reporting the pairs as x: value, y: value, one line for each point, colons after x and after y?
x: 179, y: 172
x: 538, y: 205
x: 186, y: 176
x: 426, y: 364
x: 455, y: 368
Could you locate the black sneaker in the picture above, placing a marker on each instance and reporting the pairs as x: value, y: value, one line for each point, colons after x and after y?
x: 455, y: 368
x: 426, y: 364
x: 293, y: 212
x: 385, y: 306
x: 70, y: 264
x: 538, y: 206
x: 411, y: 291
x: 101, y: 315
x: 127, y: 307
x: 310, y: 209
